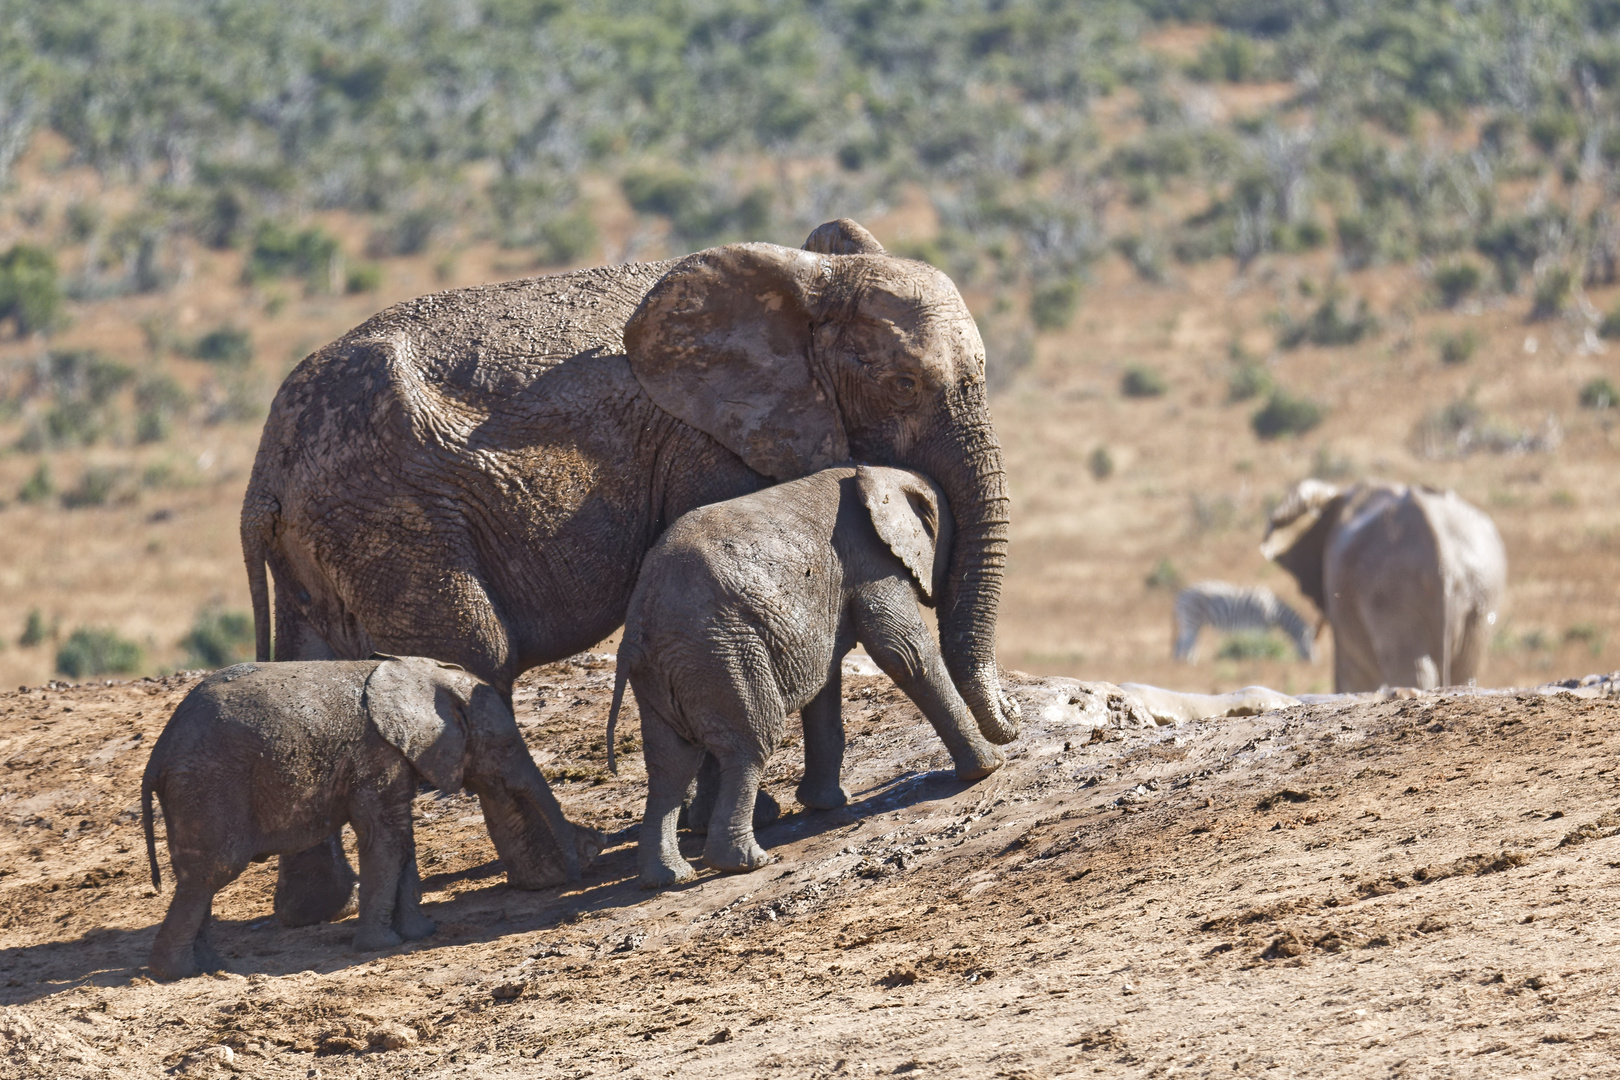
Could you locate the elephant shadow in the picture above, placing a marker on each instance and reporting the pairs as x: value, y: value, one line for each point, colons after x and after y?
x: 108, y: 957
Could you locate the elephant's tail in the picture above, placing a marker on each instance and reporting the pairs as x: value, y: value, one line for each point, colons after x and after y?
x: 258, y: 515
x: 621, y: 674
x: 147, y: 783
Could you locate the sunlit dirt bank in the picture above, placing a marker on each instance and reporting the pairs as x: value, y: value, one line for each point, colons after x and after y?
x: 1405, y: 887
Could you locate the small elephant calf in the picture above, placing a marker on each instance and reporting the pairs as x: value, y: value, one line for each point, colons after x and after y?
x: 743, y: 613
x: 267, y: 759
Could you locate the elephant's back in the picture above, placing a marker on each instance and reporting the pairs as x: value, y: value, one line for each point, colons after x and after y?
x: 291, y: 709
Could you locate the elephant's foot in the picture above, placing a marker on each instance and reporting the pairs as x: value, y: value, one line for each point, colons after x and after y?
x: 372, y: 938
x: 737, y: 855
x: 978, y: 766
x: 414, y: 926
x: 822, y: 796
x: 168, y: 967
x: 588, y: 842
x: 316, y: 885
x: 662, y: 874
x: 695, y: 814
x: 766, y: 809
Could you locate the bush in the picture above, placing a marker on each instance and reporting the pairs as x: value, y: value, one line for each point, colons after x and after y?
x: 226, y: 345
x: 34, y: 630
x: 1457, y: 348
x: 1052, y: 307
x: 218, y: 639
x: 1164, y: 575
x: 1142, y: 382
x: 1552, y: 129
x: 1284, y: 414
x: 97, y: 652
x: 1249, y: 379
x: 159, y: 399
x: 1101, y: 463
x: 1329, y: 325
x: 39, y: 486
x: 96, y: 486
x: 363, y: 278
x: 1553, y: 292
x: 30, y: 294
x: 279, y: 252
x: 1253, y: 645
x: 1599, y: 394
x: 1610, y: 326
x: 1456, y: 281
x: 565, y: 239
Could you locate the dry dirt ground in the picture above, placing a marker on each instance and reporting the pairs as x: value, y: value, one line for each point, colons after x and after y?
x: 1419, y: 887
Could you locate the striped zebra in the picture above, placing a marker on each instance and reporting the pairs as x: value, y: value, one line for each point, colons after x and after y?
x: 1232, y: 608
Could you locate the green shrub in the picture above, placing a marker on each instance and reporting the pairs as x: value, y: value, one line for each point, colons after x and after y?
x: 1586, y: 634
x: 1610, y: 326
x: 1457, y: 348
x: 1052, y: 307
x: 665, y: 190
x: 1253, y: 645
x: 39, y: 486
x: 159, y: 400
x: 1552, y: 129
x: 34, y: 630
x: 1455, y: 281
x: 30, y: 294
x: 97, y: 652
x: 1284, y: 414
x: 1164, y: 575
x: 363, y: 278
x: 218, y: 639
x: 1553, y: 292
x: 96, y: 485
x: 1142, y: 382
x: 1230, y: 57
x: 1330, y: 325
x: 277, y: 252
x: 1599, y: 394
x: 226, y: 345
x: 1101, y: 463
x: 565, y: 239
x: 1249, y: 379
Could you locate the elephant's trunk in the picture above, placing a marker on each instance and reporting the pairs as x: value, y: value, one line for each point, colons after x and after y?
x: 965, y: 460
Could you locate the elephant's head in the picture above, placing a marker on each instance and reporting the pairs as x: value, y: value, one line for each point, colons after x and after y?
x: 911, y: 515
x: 1297, y: 534
x: 797, y: 359
x: 455, y: 729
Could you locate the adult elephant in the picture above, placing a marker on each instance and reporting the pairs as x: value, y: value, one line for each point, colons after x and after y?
x: 1410, y: 579
x: 475, y: 475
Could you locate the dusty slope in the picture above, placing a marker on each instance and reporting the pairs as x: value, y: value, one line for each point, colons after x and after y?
x: 1407, y: 888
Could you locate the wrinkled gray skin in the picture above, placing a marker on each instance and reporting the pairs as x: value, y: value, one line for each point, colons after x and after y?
x: 265, y: 759
x: 1410, y: 578
x: 742, y: 615
x: 476, y: 475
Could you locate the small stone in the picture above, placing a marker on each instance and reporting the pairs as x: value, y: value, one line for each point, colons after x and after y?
x: 391, y: 1037
x: 508, y: 991
x: 723, y: 1035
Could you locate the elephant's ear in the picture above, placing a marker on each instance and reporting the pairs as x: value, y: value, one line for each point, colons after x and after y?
x: 843, y: 237
x: 418, y: 711
x: 912, y: 517
x: 723, y: 342
x: 1297, y: 535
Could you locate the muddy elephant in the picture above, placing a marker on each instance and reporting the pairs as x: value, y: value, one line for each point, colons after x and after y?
x: 263, y: 759
x: 475, y: 475
x: 743, y: 613
x: 1410, y: 578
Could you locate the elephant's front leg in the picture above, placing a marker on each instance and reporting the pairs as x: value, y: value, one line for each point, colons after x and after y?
x: 893, y: 632
x: 823, y: 719
x: 409, y: 922
x: 382, y: 825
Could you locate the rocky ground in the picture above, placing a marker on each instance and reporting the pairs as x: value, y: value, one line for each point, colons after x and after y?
x: 1408, y: 887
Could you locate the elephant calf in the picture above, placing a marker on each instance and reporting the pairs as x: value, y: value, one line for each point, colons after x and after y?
x: 265, y: 759
x: 742, y: 614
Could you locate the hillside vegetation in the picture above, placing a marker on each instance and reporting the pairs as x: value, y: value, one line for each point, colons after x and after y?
x: 1213, y: 247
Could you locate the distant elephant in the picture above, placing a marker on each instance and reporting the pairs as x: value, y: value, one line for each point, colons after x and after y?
x: 743, y: 613
x: 264, y: 759
x: 475, y: 475
x: 1410, y: 579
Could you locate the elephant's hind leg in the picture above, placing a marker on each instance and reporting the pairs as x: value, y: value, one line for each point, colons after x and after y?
x: 315, y: 885
x: 731, y: 844
x: 672, y: 764
x: 182, y: 945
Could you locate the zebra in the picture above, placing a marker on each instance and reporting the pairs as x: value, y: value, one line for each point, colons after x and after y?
x: 1230, y: 608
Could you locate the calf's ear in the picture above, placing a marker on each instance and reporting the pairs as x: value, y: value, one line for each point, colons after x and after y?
x: 417, y: 711
x: 912, y: 517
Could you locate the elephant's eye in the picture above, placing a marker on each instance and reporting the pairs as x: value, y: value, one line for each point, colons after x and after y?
x: 906, y: 383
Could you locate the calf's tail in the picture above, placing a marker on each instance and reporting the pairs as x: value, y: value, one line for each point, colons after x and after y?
x: 621, y: 673
x: 146, y: 824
